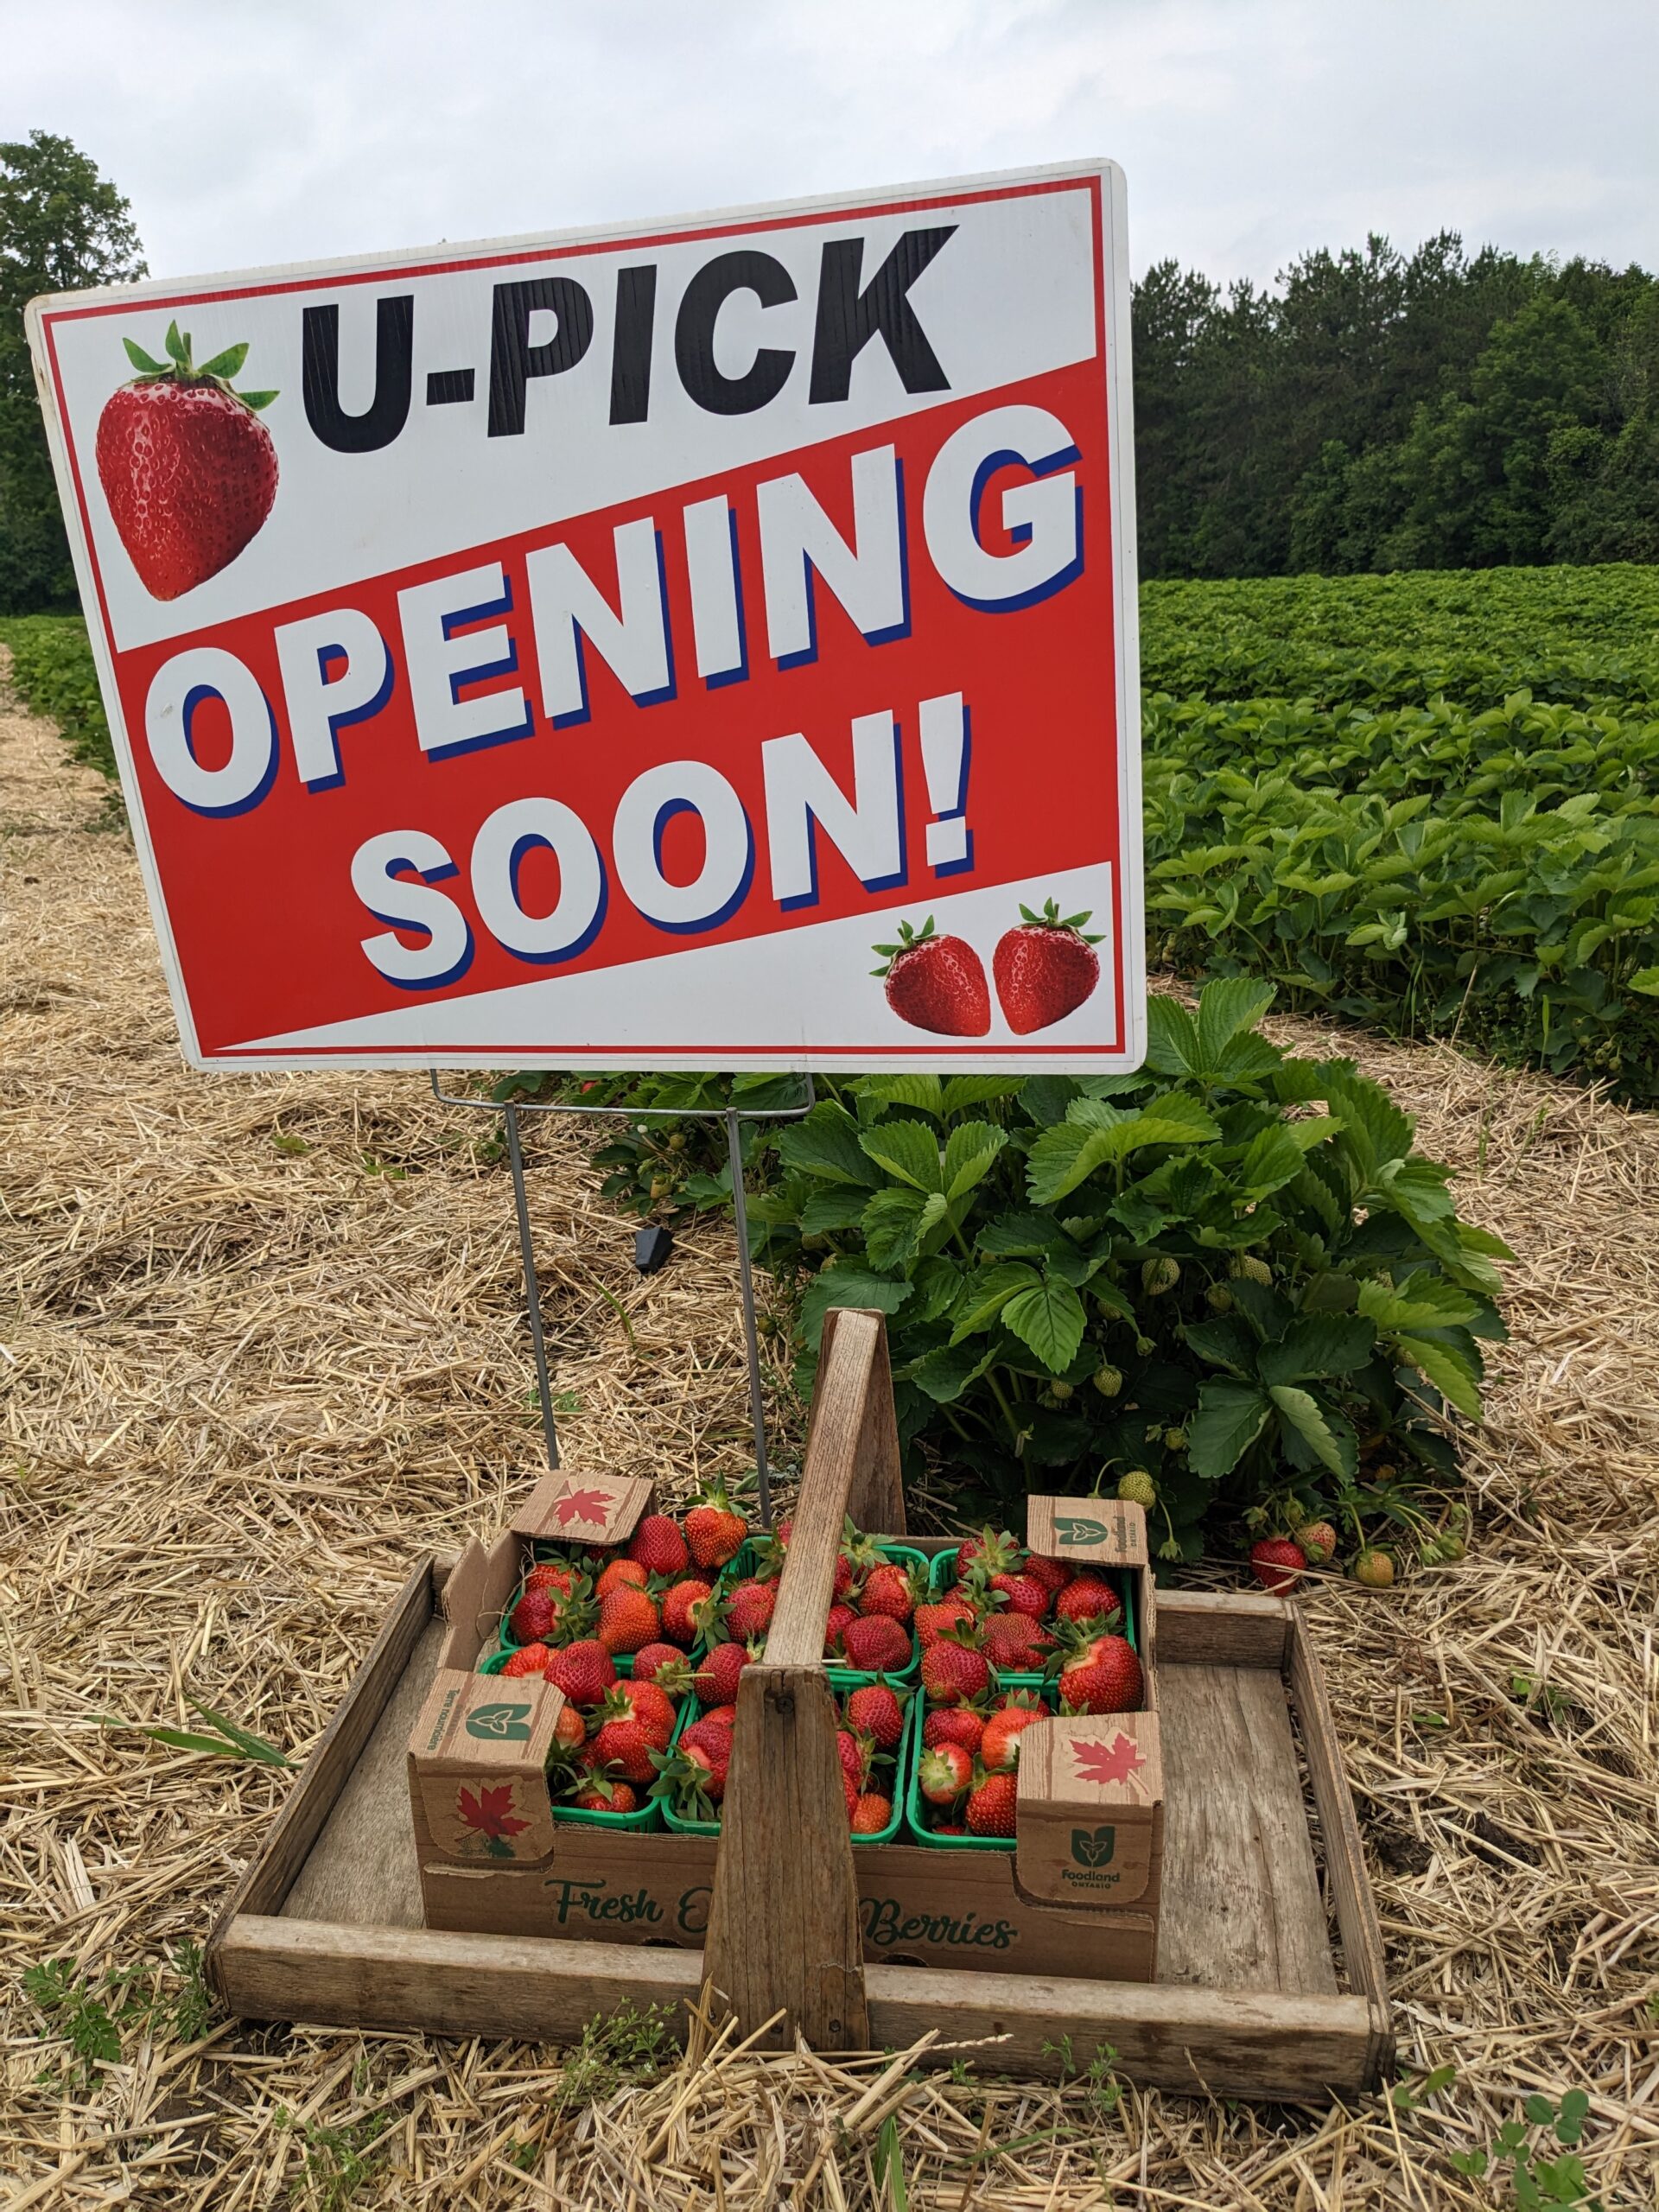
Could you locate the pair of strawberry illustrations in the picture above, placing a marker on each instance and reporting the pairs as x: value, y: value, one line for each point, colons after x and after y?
x: 1044, y: 967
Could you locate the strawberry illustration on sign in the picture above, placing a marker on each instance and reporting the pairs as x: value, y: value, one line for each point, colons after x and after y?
x: 1044, y: 968
x: 187, y: 466
x: 1102, y: 1762
x: 588, y: 1507
x: 489, y: 1814
x: 936, y: 983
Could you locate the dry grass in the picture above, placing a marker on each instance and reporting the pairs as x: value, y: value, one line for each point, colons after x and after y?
x: 260, y: 1341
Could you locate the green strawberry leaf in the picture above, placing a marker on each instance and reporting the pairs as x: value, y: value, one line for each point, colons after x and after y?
x: 257, y: 399
x: 143, y: 361
x: 225, y: 364
x: 1306, y: 1416
x: 1446, y: 1370
x: 1230, y: 1416
x: 178, y: 349
x: 1049, y: 1318
x: 908, y: 1150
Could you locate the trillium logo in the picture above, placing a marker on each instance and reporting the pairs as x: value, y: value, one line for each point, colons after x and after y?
x: 502, y: 1724
x: 1093, y: 1846
x: 1072, y: 1529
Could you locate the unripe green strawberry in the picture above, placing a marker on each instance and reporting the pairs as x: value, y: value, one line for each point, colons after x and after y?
x: 1175, y: 1439
x: 1245, y: 1267
x: 1375, y: 1569
x: 1137, y: 1488
x: 1160, y: 1274
x: 1108, y: 1380
x: 1219, y: 1298
x: 1059, y: 1389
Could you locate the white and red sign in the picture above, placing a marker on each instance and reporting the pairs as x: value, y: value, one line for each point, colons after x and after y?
x: 704, y: 643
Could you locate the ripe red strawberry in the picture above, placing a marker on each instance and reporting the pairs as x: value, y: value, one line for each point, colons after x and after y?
x: 876, y: 1712
x: 1024, y: 1592
x: 724, y: 1715
x: 853, y: 1753
x: 716, y: 1679
x: 936, y: 983
x: 686, y: 1608
x: 1277, y: 1564
x: 946, y: 1827
x: 692, y: 1776
x: 712, y: 1738
x: 840, y: 1619
x: 570, y: 1730
x: 666, y: 1665
x: 931, y: 1621
x: 621, y: 1573
x: 659, y: 1547
x: 871, y: 1813
x: 1102, y: 1675
x: 714, y: 1529
x: 954, y: 1673
x: 1044, y: 968
x: 1052, y: 1573
x: 993, y: 1550
x: 530, y: 1659
x: 954, y: 1724
x: 945, y: 1773
x: 583, y: 1671
x: 749, y: 1609
x: 999, y: 1750
x: 651, y: 1707
x: 1088, y: 1599
x: 628, y: 1620
x: 991, y: 1808
x: 850, y: 1791
x: 622, y: 1743
x: 875, y: 1644
x: 1016, y: 1645
x: 888, y: 1589
x: 552, y: 1574
x: 597, y: 1793
x: 187, y: 466
x: 532, y: 1619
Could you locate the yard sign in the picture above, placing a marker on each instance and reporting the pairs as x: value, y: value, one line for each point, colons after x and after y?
x: 707, y: 643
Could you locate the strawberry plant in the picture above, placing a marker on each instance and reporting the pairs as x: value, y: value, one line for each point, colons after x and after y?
x: 1230, y: 1274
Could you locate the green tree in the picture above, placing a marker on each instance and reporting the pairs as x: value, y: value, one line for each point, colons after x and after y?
x: 63, y: 228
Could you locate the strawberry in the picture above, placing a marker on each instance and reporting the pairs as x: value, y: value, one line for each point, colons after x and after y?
x: 1052, y: 1573
x: 871, y: 1813
x: 999, y: 1748
x: 715, y: 1530
x: 749, y: 1608
x: 1088, y: 1599
x: 714, y: 1740
x: 1014, y: 1644
x: 622, y: 1743
x: 552, y: 1574
x: 954, y: 1724
x: 1277, y: 1565
x: 651, y: 1707
x: 532, y: 1619
x: 723, y: 1716
x: 947, y: 1827
x: 945, y: 1773
x: 1316, y: 1542
x: 993, y: 1550
x: 530, y: 1659
x: 875, y: 1644
x: 932, y: 1621
x: 583, y: 1671
x: 1044, y: 968
x: 991, y: 1808
x: 666, y: 1665
x: 691, y: 1777
x: 936, y: 983
x: 850, y: 1791
x: 1024, y: 1592
x: 888, y: 1589
x: 659, y: 1546
x: 853, y: 1753
x: 716, y: 1679
x: 188, y: 468
x: 597, y: 1793
x: 629, y: 1620
x: 686, y: 1608
x: 621, y: 1573
x: 955, y: 1673
x: 1137, y: 1488
x: 570, y: 1730
x: 1101, y: 1675
x: 1375, y: 1569
x: 840, y: 1619
x: 876, y: 1712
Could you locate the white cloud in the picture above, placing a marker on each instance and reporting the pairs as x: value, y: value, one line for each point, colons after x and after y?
x: 1250, y: 129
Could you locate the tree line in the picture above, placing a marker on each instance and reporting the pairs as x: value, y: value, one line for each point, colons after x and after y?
x: 1372, y: 409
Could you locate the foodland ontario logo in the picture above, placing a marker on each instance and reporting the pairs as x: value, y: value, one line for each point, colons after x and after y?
x: 1093, y: 1846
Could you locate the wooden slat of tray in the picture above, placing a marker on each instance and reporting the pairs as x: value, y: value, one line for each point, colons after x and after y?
x: 1241, y: 1905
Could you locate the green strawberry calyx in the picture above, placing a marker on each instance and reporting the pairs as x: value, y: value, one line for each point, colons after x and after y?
x: 909, y: 940
x: 1050, y: 918
x: 179, y: 368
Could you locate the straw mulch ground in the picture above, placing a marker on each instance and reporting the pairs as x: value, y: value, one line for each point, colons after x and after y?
x: 261, y: 1342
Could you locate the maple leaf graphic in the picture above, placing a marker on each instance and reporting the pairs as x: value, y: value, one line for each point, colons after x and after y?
x: 590, y: 1507
x: 490, y: 1815
x: 1113, y: 1762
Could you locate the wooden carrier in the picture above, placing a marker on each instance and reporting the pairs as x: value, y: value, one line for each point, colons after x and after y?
x: 1256, y: 1993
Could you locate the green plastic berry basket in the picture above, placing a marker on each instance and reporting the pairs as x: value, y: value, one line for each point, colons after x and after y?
x: 943, y: 1578
x: 648, y: 1815
x: 841, y: 1679
x: 917, y: 1806
x: 623, y: 1660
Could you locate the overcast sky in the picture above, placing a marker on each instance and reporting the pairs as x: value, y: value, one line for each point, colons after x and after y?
x: 260, y: 131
